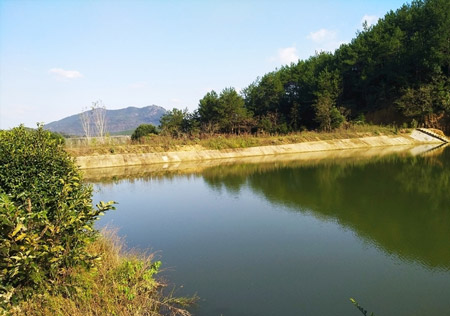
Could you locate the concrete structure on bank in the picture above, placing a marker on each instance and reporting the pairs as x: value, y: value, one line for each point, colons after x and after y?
x: 417, y: 137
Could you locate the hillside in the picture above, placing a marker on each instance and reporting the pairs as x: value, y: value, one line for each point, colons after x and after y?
x: 117, y: 120
x: 395, y: 72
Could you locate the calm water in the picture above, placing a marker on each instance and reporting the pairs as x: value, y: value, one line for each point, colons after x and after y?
x: 298, y: 238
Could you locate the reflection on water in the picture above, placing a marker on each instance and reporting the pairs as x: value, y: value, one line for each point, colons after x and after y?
x: 307, y: 158
x: 400, y: 204
x: 297, y: 236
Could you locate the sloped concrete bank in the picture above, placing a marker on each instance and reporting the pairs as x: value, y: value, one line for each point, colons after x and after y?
x: 353, y: 156
x: 120, y: 160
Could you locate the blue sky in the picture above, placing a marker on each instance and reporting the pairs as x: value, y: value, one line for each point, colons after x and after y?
x: 57, y: 57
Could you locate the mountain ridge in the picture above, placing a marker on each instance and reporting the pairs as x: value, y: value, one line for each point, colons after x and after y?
x: 117, y: 120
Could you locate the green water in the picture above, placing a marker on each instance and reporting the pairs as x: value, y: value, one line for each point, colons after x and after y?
x: 298, y: 238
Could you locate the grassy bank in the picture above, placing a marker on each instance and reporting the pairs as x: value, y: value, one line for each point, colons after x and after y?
x: 159, y: 143
x: 52, y: 260
x: 121, y: 283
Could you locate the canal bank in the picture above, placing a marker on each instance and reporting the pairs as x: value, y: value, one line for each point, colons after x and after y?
x: 300, y: 233
x: 417, y: 137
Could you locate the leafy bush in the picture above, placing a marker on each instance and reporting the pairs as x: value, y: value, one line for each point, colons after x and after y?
x: 58, y: 137
x: 360, y: 119
x: 123, y: 284
x: 143, y: 130
x: 46, y: 213
x: 337, y: 119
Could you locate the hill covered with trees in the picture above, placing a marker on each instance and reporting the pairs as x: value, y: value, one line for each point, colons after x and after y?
x: 395, y: 72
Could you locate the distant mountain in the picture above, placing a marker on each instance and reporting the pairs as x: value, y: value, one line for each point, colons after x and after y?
x: 117, y: 120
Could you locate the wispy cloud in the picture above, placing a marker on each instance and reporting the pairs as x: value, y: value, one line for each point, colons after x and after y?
x: 326, y: 40
x: 322, y: 35
x: 66, y: 74
x: 286, y: 55
x: 371, y: 19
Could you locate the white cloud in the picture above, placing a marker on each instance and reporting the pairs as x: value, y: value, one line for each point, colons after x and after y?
x: 322, y: 35
x: 288, y: 55
x: 67, y: 74
x: 285, y: 56
x: 371, y: 19
x: 325, y: 40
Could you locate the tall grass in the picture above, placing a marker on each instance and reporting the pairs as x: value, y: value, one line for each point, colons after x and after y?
x: 122, y: 284
x: 159, y: 143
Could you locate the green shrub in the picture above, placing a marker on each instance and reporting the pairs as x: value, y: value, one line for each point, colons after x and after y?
x: 46, y: 213
x: 360, y: 119
x: 58, y: 137
x: 337, y: 119
x: 282, y: 129
x: 123, y: 283
x: 143, y: 130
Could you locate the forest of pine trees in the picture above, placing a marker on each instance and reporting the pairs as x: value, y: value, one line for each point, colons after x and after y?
x: 395, y: 72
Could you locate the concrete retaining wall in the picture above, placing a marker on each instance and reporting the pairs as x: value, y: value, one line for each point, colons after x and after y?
x: 352, y: 156
x: 103, y: 161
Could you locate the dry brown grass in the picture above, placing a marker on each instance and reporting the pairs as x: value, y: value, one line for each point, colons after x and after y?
x: 121, y: 284
x: 158, y: 143
x: 437, y: 131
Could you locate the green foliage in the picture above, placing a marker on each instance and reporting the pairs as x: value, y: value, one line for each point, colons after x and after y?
x: 177, y: 122
x: 225, y: 113
x: 401, y: 66
x: 416, y: 103
x: 131, y: 272
x: 208, y: 109
x: 264, y: 95
x: 337, y: 119
x: 143, y: 130
x: 232, y: 111
x: 46, y: 213
x: 121, y: 284
x: 58, y: 137
x: 270, y: 123
x: 401, y: 63
x: 360, y: 119
x: 328, y: 90
x: 425, y: 99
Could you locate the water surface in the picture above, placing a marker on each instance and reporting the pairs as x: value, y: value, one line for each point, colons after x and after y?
x: 298, y: 237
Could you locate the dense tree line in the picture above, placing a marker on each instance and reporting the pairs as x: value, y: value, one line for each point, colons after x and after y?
x: 394, y: 72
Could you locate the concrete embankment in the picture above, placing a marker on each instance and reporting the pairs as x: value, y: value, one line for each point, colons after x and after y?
x: 120, y: 160
x: 353, y: 156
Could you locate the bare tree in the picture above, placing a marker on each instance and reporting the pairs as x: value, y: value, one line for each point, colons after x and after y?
x: 86, y: 121
x: 99, y: 117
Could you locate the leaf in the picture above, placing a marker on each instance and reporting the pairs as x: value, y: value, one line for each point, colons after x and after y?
x: 21, y: 236
x: 17, y: 229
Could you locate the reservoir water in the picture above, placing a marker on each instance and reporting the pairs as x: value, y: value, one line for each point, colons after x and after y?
x: 297, y: 237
